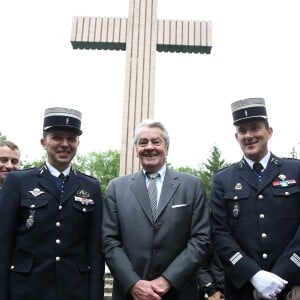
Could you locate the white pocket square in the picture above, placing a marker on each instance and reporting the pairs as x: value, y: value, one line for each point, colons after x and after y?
x: 179, y: 205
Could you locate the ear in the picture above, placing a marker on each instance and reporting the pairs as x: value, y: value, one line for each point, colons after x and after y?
x: 270, y: 131
x: 43, y: 142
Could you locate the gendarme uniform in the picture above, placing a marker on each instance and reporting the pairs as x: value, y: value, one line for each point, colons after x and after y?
x: 50, y: 239
x: 256, y: 223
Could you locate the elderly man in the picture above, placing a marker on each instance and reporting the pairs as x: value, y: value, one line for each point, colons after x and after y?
x: 155, y: 225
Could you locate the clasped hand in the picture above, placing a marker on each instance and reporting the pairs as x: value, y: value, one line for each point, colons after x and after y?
x: 267, y: 285
x: 150, y: 290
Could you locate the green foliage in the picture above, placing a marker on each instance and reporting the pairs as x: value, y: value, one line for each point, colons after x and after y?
x: 2, y: 137
x: 102, y: 165
x: 213, y: 165
x: 208, y: 169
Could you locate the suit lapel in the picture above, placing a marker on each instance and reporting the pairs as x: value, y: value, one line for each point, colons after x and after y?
x: 169, y: 187
x: 139, y: 189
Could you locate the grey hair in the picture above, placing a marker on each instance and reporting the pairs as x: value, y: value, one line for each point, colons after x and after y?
x: 149, y: 123
x: 9, y: 144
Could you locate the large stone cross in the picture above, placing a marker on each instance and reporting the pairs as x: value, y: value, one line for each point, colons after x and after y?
x: 141, y: 35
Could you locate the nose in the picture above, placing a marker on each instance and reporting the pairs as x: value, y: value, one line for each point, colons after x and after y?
x: 248, y: 134
x: 149, y: 145
x: 64, y: 142
x: 9, y: 165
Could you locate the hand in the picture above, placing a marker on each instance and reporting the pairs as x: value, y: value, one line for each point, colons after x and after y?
x: 142, y: 290
x: 267, y: 284
x: 216, y: 296
x: 257, y: 296
x: 161, y: 285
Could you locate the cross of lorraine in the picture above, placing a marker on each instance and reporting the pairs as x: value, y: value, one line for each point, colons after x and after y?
x: 141, y: 35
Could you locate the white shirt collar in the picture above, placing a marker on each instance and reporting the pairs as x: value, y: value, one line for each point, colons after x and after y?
x: 55, y: 172
x: 263, y: 161
x: 161, y: 172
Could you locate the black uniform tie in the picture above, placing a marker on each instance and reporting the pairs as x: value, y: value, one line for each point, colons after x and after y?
x: 152, y: 191
x: 60, y: 181
x: 257, y: 167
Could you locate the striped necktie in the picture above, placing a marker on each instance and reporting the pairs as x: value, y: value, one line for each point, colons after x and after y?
x: 152, y: 192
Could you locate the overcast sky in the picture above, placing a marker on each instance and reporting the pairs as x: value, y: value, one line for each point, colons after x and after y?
x: 255, y: 53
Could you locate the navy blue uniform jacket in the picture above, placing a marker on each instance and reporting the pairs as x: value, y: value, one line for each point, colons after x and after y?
x: 59, y: 256
x: 256, y: 225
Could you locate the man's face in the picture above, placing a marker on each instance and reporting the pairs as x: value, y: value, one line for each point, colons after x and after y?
x: 253, y: 139
x: 9, y: 161
x: 151, y: 149
x: 61, y: 146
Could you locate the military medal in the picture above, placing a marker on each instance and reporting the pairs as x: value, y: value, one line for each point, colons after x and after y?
x: 238, y: 186
x: 282, y: 177
x: 30, y: 219
x: 236, y: 210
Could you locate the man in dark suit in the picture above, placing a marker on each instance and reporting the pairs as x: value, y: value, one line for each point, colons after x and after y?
x: 50, y: 226
x: 256, y: 212
x: 155, y: 250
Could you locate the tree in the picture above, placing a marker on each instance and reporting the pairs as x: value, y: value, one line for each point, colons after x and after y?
x: 2, y: 137
x: 213, y: 165
x: 102, y: 165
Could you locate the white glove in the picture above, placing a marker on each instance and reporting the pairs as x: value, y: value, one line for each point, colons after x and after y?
x: 257, y: 296
x: 267, y: 284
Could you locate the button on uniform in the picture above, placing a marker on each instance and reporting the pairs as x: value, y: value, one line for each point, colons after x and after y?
x: 260, y: 197
x: 261, y: 216
x: 264, y: 235
x: 265, y: 256
x: 57, y: 258
x: 57, y: 224
x: 58, y: 241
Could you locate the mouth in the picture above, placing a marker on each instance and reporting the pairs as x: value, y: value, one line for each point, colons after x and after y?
x: 252, y: 143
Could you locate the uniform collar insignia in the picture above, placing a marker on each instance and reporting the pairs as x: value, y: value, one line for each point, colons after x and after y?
x: 36, y: 192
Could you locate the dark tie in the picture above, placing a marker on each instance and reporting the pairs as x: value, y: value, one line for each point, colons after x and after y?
x: 60, y: 181
x: 152, y: 192
x: 257, y: 167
